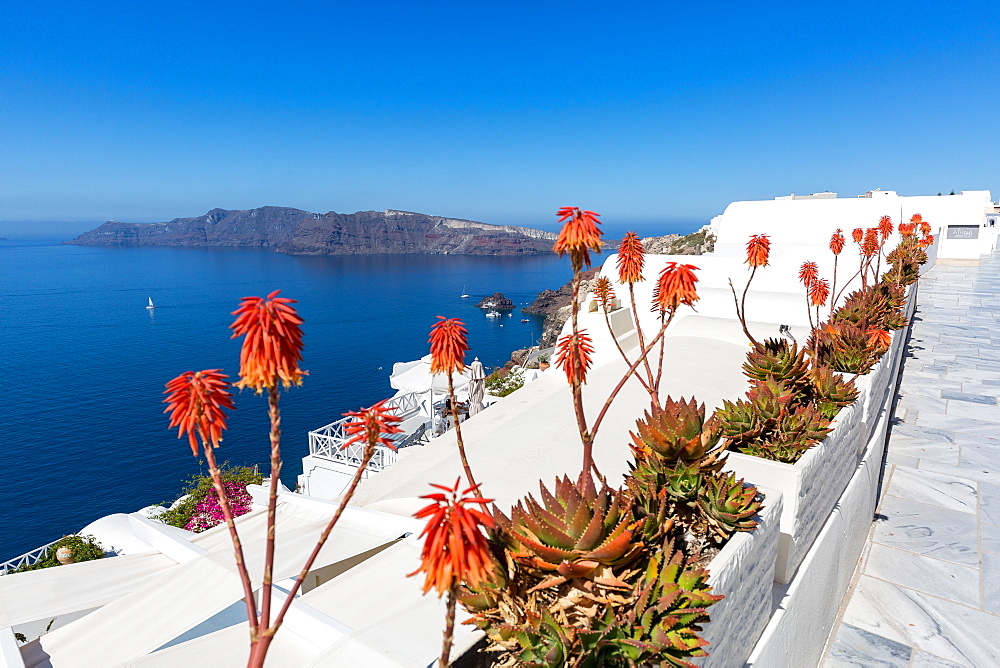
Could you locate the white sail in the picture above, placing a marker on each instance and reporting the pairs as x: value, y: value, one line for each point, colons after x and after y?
x: 150, y: 302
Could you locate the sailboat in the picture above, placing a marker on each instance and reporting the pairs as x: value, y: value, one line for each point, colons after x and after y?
x: 465, y: 295
x: 150, y: 303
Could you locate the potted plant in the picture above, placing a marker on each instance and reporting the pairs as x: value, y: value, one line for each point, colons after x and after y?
x: 543, y: 361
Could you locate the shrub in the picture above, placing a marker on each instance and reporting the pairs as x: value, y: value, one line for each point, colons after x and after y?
x: 201, y: 510
x: 85, y: 548
x: 501, y: 385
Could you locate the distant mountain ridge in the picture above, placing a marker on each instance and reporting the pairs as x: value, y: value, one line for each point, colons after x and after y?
x: 299, y: 232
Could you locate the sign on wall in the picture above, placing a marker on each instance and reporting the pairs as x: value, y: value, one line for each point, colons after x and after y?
x: 963, y: 232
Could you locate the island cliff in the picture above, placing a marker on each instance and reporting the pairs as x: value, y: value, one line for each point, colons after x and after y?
x: 299, y: 232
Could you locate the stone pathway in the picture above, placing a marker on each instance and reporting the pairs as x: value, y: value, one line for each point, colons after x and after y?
x: 927, y: 589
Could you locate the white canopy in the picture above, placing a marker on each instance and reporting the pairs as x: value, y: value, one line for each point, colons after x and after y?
x: 189, y: 594
x: 372, y: 615
x: 50, y: 592
x: 416, y: 376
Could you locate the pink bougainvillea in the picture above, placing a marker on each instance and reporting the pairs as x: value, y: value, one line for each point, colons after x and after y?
x: 208, y: 513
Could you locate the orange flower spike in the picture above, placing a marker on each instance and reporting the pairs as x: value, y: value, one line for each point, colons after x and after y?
x: 758, y: 250
x: 455, y: 549
x: 449, y: 343
x: 870, y: 244
x: 579, y: 235
x: 907, y: 229
x: 574, y: 357
x: 837, y: 242
x: 925, y: 228
x: 885, y: 227
x: 916, y: 218
x: 819, y: 291
x: 631, y: 259
x: 675, y: 286
x: 272, y: 348
x: 808, y: 272
x: 372, y: 426
x: 195, y: 401
x: 879, y: 338
x: 858, y: 234
x: 604, y: 291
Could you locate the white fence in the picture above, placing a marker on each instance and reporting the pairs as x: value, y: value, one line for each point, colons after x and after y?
x: 328, y: 442
x: 26, y: 559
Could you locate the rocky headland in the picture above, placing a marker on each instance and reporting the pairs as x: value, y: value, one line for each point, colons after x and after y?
x: 299, y: 232
x: 497, y: 302
x: 554, y: 304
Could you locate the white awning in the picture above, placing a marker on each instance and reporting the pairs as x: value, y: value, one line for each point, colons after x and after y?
x: 50, y: 592
x: 372, y: 615
x: 187, y: 595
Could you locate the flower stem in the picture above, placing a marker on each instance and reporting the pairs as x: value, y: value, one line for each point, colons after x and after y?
x: 458, y: 436
x: 645, y: 384
x: 581, y: 419
x: 274, y: 413
x: 614, y: 393
x: 449, y: 626
x: 740, y: 312
x: 369, y: 452
x: 833, y: 287
x: 638, y: 330
x: 241, y: 566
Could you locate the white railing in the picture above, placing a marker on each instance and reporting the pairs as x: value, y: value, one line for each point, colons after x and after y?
x: 26, y: 559
x: 328, y: 442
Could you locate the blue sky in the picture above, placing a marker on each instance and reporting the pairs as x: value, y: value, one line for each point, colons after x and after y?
x: 651, y: 113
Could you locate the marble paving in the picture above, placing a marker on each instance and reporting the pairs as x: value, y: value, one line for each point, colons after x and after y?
x: 927, y: 589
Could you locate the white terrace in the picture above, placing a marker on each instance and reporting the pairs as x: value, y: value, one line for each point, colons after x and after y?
x: 175, y: 601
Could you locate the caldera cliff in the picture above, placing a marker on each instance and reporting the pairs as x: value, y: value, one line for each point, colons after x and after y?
x: 299, y: 232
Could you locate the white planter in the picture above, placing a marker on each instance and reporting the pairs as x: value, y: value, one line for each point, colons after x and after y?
x: 877, y: 383
x: 743, y: 571
x: 810, y: 487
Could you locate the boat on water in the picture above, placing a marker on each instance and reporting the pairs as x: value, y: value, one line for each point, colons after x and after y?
x: 492, y: 314
x: 150, y: 303
x: 465, y: 295
x: 525, y: 320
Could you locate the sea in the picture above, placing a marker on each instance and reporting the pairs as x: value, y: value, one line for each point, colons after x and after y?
x: 85, y: 362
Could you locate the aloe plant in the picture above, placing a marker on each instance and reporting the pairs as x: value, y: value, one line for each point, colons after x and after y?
x: 778, y: 359
x: 771, y: 424
x: 843, y: 346
x: 574, y: 532
x: 676, y: 431
x: 729, y: 504
x: 830, y: 391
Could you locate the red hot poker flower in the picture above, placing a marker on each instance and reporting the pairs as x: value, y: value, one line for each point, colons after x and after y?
x: 879, y: 338
x: 675, y: 286
x: 819, y: 291
x: 885, y: 227
x: 758, y: 249
x: 837, y: 242
x: 579, y: 235
x: 604, y: 291
x: 455, y: 548
x: 272, y: 348
x: 195, y: 401
x: 870, y: 245
x: 574, y: 357
x: 631, y: 259
x: 372, y: 426
x: 449, y: 343
x: 858, y: 234
x: 808, y: 273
